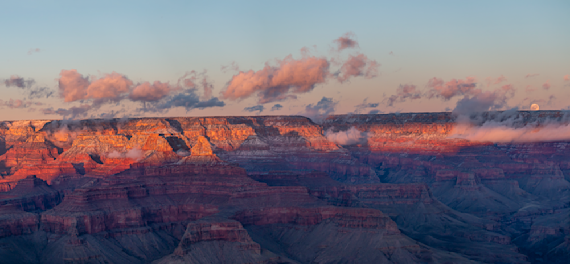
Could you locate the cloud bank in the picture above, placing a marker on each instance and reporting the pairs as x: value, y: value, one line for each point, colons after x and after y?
x: 510, y: 127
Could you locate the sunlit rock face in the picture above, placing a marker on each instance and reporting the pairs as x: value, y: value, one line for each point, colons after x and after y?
x: 395, y: 188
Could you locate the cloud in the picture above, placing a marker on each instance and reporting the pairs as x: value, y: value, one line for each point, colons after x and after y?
x: 530, y: 75
x: 348, y: 137
x: 391, y: 53
x: 510, y: 126
x: 188, y: 80
x: 207, y: 86
x: 233, y: 66
x: 40, y: 92
x: 485, y: 101
x: 147, y: 92
x: 109, y: 87
x: 73, y: 87
x: 19, y: 82
x: 358, y: 65
x: 406, y: 91
x: 17, y: 103
x: 192, y: 78
x: 134, y: 154
x: 364, y: 105
x: 276, y: 107
x: 346, y: 41
x: 254, y: 108
x: 452, y: 88
x: 375, y: 112
x: 546, y: 85
x: 187, y: 99
x: 31, y: 51
x: 276, y: 83
x: 69, y: 113
x: 566, y: 77
x: 323, y: 108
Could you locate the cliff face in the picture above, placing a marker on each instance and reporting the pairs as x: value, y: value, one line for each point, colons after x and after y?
x: 401, y: 188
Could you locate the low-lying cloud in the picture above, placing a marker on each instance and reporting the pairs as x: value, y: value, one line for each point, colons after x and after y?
x: 134, y: 154
x: 511, y: 128
x: 351, y: 136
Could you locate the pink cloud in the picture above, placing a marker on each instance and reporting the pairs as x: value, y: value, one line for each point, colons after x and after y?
x: 452, y: 88
x: 358, y: 65
x: 546, y: 85
x: 109, y: 87
x: 529, y: 75
x: 73, y: 86
x: 274, y: 83
x: 566, y: 77
x: 404, y: 92
x: 147, y: 92
x: 346, y: 41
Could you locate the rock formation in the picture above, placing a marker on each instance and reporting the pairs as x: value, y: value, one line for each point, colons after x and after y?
x: 279, y: 189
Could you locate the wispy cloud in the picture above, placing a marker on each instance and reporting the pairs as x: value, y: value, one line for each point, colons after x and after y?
x: 346, y: 41
x: 254, y: 108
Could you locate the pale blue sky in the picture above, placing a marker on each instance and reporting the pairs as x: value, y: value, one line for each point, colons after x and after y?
x: 160, y: 40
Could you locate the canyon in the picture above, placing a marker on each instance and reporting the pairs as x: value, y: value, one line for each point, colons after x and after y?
x: 382, y: 188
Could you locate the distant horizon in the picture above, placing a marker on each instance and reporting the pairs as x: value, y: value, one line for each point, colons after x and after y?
x: 221, y: 116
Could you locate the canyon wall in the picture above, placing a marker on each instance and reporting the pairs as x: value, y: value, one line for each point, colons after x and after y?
x: 398, y: 188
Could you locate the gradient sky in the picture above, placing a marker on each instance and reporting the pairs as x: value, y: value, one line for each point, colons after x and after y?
x: 526, y: 42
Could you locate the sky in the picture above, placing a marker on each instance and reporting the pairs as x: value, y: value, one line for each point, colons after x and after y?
x: 79, y: 59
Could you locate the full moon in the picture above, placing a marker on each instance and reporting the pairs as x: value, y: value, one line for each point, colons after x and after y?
x: 534, y: 107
